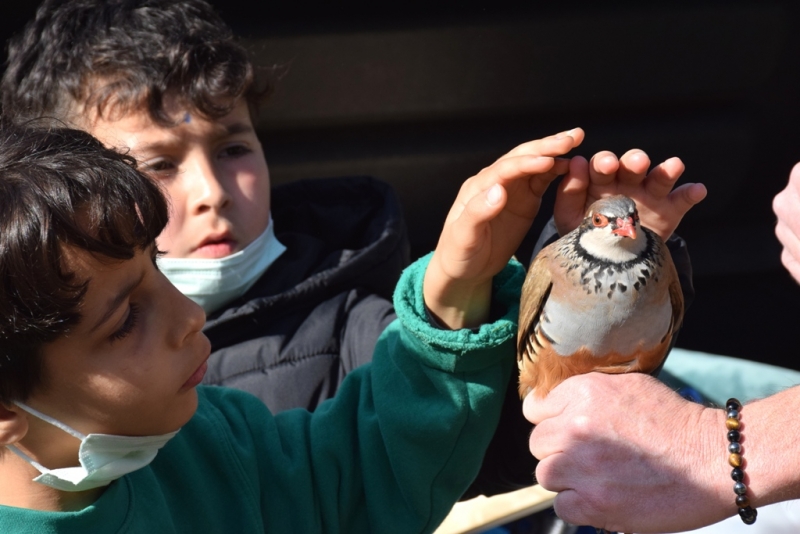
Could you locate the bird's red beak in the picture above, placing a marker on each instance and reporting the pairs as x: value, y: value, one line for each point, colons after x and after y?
x: 625, y: 228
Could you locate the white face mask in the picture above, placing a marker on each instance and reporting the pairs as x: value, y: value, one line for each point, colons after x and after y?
x: 212, y: 283
x: 103, y: 457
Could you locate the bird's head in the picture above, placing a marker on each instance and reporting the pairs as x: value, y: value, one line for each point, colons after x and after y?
x: 611, y: 230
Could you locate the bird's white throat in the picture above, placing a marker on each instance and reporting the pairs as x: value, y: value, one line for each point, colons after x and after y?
x: 604, y: 245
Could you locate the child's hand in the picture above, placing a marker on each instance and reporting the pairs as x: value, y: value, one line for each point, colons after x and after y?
x: 490, y: 217
x: 660, y: 208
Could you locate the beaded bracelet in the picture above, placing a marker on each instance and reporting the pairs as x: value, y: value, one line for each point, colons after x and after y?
x: 746, y: 512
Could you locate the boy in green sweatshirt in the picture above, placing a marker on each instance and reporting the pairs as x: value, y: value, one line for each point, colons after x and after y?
x: 103, y: 426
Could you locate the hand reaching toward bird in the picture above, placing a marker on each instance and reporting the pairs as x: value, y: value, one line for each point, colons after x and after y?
x: 491, y: 215
x: 660, y: 207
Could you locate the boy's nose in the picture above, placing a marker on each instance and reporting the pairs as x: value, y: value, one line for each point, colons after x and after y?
x: 192, y: 317
x: 207, y: 187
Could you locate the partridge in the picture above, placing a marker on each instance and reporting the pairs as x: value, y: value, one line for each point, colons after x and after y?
x: 605, y: 297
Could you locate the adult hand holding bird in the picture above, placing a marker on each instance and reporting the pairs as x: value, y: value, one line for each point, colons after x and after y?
x: 627, y: 453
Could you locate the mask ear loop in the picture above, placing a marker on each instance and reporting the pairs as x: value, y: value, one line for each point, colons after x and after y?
x: 54, y: 422
x: 39, y: 467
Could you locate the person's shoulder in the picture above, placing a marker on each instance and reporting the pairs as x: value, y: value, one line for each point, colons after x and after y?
x: 214, y: 398
x: 225, y: 408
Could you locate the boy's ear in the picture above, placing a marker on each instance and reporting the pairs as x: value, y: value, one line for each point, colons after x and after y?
x: 13, y: 424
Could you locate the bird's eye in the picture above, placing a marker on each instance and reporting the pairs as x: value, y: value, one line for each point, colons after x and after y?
x: 599, y: 220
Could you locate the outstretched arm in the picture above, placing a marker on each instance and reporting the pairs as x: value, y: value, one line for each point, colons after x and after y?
x: 661, y: 207
x: 492, y: 212
x: 650, y: 461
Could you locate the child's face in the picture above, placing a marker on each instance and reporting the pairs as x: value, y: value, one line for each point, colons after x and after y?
x: 131, y: 365
x: 214, y: 173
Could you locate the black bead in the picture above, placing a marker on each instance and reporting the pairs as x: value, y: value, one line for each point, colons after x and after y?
x: 735, y: 447
x: 737, y: 474
x: 733, y: 404
x: 742, y: 501
x: 748, y: 515
x: 733, y: 414
x: 739, y: 488
x: 734, y: 436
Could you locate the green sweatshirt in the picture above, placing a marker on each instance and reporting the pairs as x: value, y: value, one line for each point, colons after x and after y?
x: 391, y: 452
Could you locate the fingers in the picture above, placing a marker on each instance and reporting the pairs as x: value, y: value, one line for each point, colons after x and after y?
x: 571, y: 196
x: 536, y: 409
x: 633, y: 166
x: 576, y: 180
x: 507, y: 170
x: 792, y: 265
x: 663, y: 177
x: 537, y: 160
x: 686, y: 196
x: 786, y: 206
x: 790, y: 256
x: 483, y: 208
x: 539, y: 170
x: 554, y: 145
x: 539, y: 181
x: 603, y: 168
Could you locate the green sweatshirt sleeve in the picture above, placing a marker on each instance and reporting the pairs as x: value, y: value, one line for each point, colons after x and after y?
x: 404, y: 436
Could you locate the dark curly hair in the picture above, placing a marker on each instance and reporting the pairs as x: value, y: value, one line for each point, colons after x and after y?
x: 117, y: 56
x: 60, y: 187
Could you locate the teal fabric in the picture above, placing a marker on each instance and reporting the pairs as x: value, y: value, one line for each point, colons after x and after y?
x: 719, y: 378
x: 391, y: 453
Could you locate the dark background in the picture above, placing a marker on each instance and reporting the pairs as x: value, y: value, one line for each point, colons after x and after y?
x: 424, y: 96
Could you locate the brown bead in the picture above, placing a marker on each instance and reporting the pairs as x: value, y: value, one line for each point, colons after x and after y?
x: 735, y: 460
x: 732, y: 424
x: 742, y: 501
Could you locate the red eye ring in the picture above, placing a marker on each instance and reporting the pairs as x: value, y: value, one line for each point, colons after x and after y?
x: 599, y: 220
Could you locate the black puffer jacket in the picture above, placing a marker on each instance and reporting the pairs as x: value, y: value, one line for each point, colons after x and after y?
x: 317, y: 312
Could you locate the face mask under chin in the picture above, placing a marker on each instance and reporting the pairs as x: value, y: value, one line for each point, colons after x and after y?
x: 103, y: 458
x: 212, y: 283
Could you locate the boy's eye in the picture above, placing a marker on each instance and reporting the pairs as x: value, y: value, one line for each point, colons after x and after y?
x: 159, y: 167
x: 234, y: 151
x: 129, y: 324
